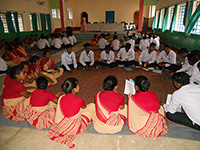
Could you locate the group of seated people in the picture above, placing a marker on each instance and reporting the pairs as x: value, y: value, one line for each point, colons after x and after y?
x: 129, y: 27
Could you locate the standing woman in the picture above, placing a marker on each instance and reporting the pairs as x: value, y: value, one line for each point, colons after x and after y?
x: 72, y: 116
x: 83, y: 25
x: 144, y: 116
x: 15, y: 95
x: 110, y: 109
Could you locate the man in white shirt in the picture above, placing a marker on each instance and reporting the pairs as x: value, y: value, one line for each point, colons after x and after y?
x: 68, y: 59
x: 64, y: 40
x: 126, y: 56
x: 57, y: 43
x: 168, y: 56
x: 188, y: 98
x: 107, y: 58
x: 131, y: 41
x: 70, y: 39
x: 115, y: 43
x: 148, y: 57
x: 144, y: 43
x: 74, y: 39
x: 43, y: 43
x: 157, y: 42
x: 86, y: 59
x: 102, y: 42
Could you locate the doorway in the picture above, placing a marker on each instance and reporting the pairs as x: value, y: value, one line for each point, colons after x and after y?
x: 84, y: 14
x: 110, y: 16
x: 136, y: 18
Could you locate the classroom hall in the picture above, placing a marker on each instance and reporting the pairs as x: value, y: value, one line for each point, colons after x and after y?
x: 176, y: 23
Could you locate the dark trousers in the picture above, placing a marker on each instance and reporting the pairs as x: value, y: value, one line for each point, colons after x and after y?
x: 111, y: 65
x: 127, y: 63
x: 149, y: 65
x: 171, y: 68
x: 71, y: 66
x: 88, y: 64
x: 183, y: 119
x: 2, y: 72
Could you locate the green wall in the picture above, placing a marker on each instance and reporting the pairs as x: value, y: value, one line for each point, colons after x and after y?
x: 11, y: 36
x: 180, y: 40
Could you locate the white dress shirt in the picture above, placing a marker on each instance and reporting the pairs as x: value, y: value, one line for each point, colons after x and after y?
x: 132, y: 42
x: 130, y: 55
x: 3, y: 65
x: 87, y: 58
x: 146, y: 57
x: 157, y: 42
x: 42, y: 43
x: 195, y: 75
x: 74, y: 39
x: 65, y: 41
x: 68, y: 59
x: 186, y: 67
x: 107, y: 57
x: 116, y: 44
x: 144, y: 44
x: 102, y: 43
x: 57, y: 43
x: 169, y: 59
x: 188, y: 97
x: 71, y: 40
x: 150, y: 40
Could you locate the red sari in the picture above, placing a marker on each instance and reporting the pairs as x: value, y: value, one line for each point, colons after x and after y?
x: 22, y: 52
x: 14, y: 56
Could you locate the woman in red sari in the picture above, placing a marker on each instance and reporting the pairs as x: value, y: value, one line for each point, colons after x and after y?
x: 144, y: 116
x: 71, y: 115
x: 15, y: 95
x: 83, y: 25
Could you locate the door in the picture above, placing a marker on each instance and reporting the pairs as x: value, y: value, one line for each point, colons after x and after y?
x: 136, y: 18
x: 145, y: 25
x: 110, y: 16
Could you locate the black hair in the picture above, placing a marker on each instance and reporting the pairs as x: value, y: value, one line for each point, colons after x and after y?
x: 95, y: 35
x: 109, y: 83
x: 181, y: 77
x: 108, y: 47
x: 167, y: 45
x: 198, y: 65
x: 68, y: 46
x: 196, y: 52
x: 9, y: 48
x: 42, y: 37
x: 69, y: 85
x: 182, y: 51
x: 128, y: 45
x: 115, y: 37
x: 45, y: 52
x: 31, y: 34
x: 2, y: 40
x: 142, y: 82
x: 86, y: 45
x: 15, y: 70
x: 145, y: 37
x: 42, y: 82
x: 25, y: 63
x: 193, y: 57
x: 34, y: 59
x: 152, y: 44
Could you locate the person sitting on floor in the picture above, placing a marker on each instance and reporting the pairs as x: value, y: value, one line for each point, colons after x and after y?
x: 131, y: 41
x: 74, y: 39
x: 15, y: 95
x: 115, y: 43
x: 156, y: 41
x: 148, y: 57
x: 107, y: 57
x: 72, y: 115
x: 41, y: 113
x: 195, y: 76
x: 86, y: 59
x: 47, y: 65
x: 111, y: 112
x: 68, y: 59
x: 20, y: 50
x: 36, y: 38
x: 144, y: 44
x: 94, y: 41
x: 186, y: 97
x: 126, y: 56
x: 102, y: 42
x: 57, y: 43
x: 13, y: 57
x: 144, y: 116
x: 65, y: 40
x: 43, y: 43
x: 169, y: 58
x: 69, y: 37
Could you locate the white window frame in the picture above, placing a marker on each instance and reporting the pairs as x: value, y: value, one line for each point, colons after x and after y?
x: 39, y: 26
x: 178, y: 19
x: 3, y: 18
x: 170, y: 15
x: 31, y: 24
x: 70, y: 13
x: 161, y: 18
x: 54, y: 13
x: 156, y: 22
x: 197, y: 24
x: 152, y: 11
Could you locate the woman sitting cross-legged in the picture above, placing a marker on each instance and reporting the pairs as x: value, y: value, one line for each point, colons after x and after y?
x: 110, y: 109
x: 72, y: 115
x: 144, y: 116
x: 15, y: 95
x: 41, y: 113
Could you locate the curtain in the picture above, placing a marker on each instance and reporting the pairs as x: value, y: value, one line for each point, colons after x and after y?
x: 1, y: 26
x: 16, y: 21
x: 185, y: 15
x: 34, y: 22
x: 43, y: 22
x: 154, y: 22
x: 193, y: 20
x: 173, y: 19
x: 190, y: 10
x: 158, y: 24
x: 165, y: 20
x: 48, y: 21
x: 11, y: 28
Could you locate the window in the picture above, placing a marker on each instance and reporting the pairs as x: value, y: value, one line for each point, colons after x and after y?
x: 30, y: 17
x: 54, y: 14
x: 156, y: 23
x: 171, y: 11
x: 21, y: 22
x: 179, y: 22
x: 58, y: 12
x: 152, y: 11
x: 3, y: 18
x: 38, y: 22
x: 161, y: 18
x: 70, y: 15
x: 196, y: 29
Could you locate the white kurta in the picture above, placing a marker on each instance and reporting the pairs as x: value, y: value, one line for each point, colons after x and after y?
x: 107, y: 57
x: 102, y: 43
x: 146, y: 57
x: 42, y: 43
x: 67, y: 59
x: 86, y: 58
x: 130, y: 55
x: 65, y: 41
x: 169, y: 59
x: 57, y: 43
